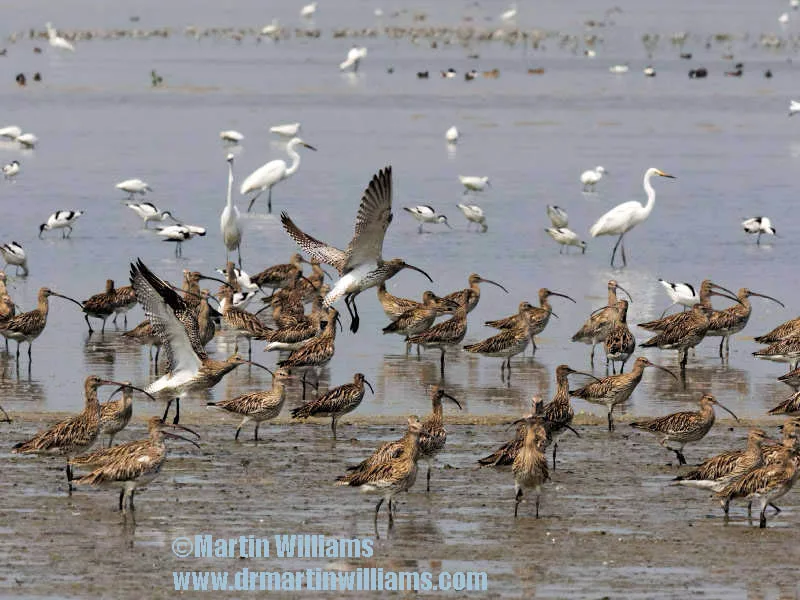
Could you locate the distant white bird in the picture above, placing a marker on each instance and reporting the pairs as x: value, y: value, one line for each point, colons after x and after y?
x: 783, y: 19
x: 649, y: 71
x: 624, y: 217
x: 56, y: 41
x: 242, y: 278
x: 590, y: 178
x: 618, y: 69
x: 794, y: 107
x: 27, y: 140
x: 179, y: 234
x: 474, y: 214
x: 308, y: 10
x: 289, y: 130
x: 266, y: 176
x: 794, y: 4
x: 759, y: 225
x: 273, y: 29
x: 11, y: 132
x: 354, y: 58
x: 451, y: 135
x: 229, y: 220
x: 473, y: 183
x: 680, y: 293
x: 11, y: 169
x: 510, y: 14
x: 231, y: 136
x: 148, y: 212
x: 14, y: 254
x: 62, y: 219
x: 425, y: 214
x: 134, y: 186
x: 557, y: 215
x: 589, y: 53
x: 565, y: 237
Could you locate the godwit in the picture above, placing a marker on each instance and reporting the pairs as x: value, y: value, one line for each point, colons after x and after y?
x: 317, y: 352
x: 425, y: 214
x: 624, y: 217
x: 558, y: 412
x: 471, y: 295
x: 434, y: 435
x: 391, y: 476
x: 707, y: 289
x: 530, y: 465
x: 116, y: 414
x: 361, y: 265
x: 229, y: 220
x: 507, y: 343
x: 615, y: 389
x: 100, y: 306
x: 133, y: 465
x: 149, y: 212
x: 727, y: 322
x: 420, y: 318
x: 258, y: 406
x: 599, y: 323
x: 444, y: 335
x: 786, y: 350
x: 14, y: 254
x: 676, y: 430
x: 28, y: 326
x: 474, y: 214
x: 565, y: 238
x: 73, y: 435
x: 124, y: 301
x: 134, y: 186
x: 62, y: 219
x: 336, y: 403
x: 619, y: 343
x: 760, y: 226
x: 268, y: 175
x: 175, y: 324
x: 591, y: 178
x: 784, y: 330
x: 557, y: 215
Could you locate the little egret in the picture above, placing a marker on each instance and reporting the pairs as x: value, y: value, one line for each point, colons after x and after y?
x: 229, y: 220
x: 759, y: 225
x: 451, y: 135
x: 474, y: 214
x: 56, y: 41
x: 590, y: 178
x: 265, y: 177
x: 566, y: 237
x: 62, y: 219
x: 425, y: 214
x: 354, y: 57
x: 624, y: 217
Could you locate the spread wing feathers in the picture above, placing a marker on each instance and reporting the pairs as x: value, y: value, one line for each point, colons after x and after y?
x: 372, y: 221
x: 173, y: 322
x: 314, y: 247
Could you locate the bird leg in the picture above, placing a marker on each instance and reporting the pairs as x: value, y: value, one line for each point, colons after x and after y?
x: 377, y: 508
x: 269, y: 201
x: 624, y: 259
x: 86, y: 317
x: 614, y: 251
x: 103, y: 328
x: 591, y: 358
x: 537, y: 507
x: 721, y: 342
x: 238, y: 430
x: 762, y: 521
x: 681, y: 457
x: 7, y: 419
x: 333, y: 427
x: 517, y: 500
x: 255, y: 438
x: 121, y: 496
x: 69, y: 478
x: 555, y: 449
x: 441, y: 363
x: 611, y: 420
x: 428, y: 479
x: 130, y: 500
x: 253, y: 200
x: 758, y: 239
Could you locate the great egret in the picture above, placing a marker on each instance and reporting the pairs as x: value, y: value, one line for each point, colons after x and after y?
x: 354, y: 57
x: 473, y: 183
x: 759, y: 225
x: 794, y: 107
x: 557, y: 215
x: 14, y: 254
x: 425, y: 214
x: 231, y: 136
x: 288, y: 130
x: 624, y: 217
x: 27, y: 140
x: 179, y: 234
x: 451, y: 135
x: 134, y: 186
x: 11, y: 169
x: 265, y: 177
x: 11, y: 132
x: 149, y: 212
x: 62, y: 219
x: 229, y: 220
x: 474, y: 214
x: 56, y: 41
x: 590, y: 178
x: 566, y: 237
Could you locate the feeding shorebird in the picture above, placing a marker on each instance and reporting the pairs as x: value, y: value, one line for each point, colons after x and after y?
x: 566, y: 238
x: 270, y: 174
x: 317, y: 352
x: 760, y: 226
x: 395, y: 307
x: 434, y: 435
x: 336, y: 403
x: 727, y: 322
x: 27, y: 140
x: 11, y: 170
x: 100, y: 306
x: 451, y: 135
x: 624, y: 217
x: 680, y: 293
x: 530, y: 465
x: 619, y: 343
x: 426, y: 214
x: 14, y: 254
x: 148, y: 212
x: 354, y: 57
x: 443, y: 335
x: 557, y: 215
x: 676, y: 430
x: 707, y: 289
x: 419, y: 317
x: 258, y: 406
x: 289, y: 130
x: 785, y: 330
x: 231, y: 136
x: 361, y: 266
x: 134, y: 186
x: 474, y: 183
x: 133, y: 465
x: 56, y: 41
x: 180, y: 233
x: 537, y: 316
x: 792, y: 379
x: 229, y: 220
x: 685, y: 334
x: 62, y: 219
x: 474, y: 214
x: 508, y: 343
x: 591, y: 178
x: 388, y: 475
x: 597, y: 326
x: 615, y: 389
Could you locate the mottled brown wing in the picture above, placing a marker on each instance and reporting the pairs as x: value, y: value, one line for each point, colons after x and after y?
x: 372, y: 221
x: 314, y: 247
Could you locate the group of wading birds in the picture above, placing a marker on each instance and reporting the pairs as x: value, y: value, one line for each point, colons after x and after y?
x: 180, y: 322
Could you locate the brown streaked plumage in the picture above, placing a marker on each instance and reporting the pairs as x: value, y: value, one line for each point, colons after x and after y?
x: 683, y: 334
x: 506, y: 344
x: 317, y: 352
x: 336, y: 402
x: 116, y: 414
x: 707, y: 289
x: 470, y: 296
x: 727, y: 322
x: 205, y: 321
x: 100, y: 306
x: 789, y: 407
x: 296, y: 334
x: 143, y: 333
x: 530, y: 465
x: 790, y: 328
x: 619, y: 343
x: 421, y: 317
x: 504, y: 456
x: 444, y: 335
x: 191, y: 288
x: 434, y: 435
x: 786, y: 350
x: 281, y: 275
x: 124, y: 300
x: 676, y: 430
x: 242, y: 323
x: 792, y: 379
x: 615, y: 389
x: 596, y: 327
x: 558, y: 412
x: 394, y: 475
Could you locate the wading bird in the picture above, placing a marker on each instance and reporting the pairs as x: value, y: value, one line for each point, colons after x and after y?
x: 760, y: 226
x: 62, y: 219
x: 591, y: 178
x: 474, y: 214
x: 134, y: 186
x: 426, y: 214
x: 229, y: 220
x: 148, y: 212
x: 14, y: 254
x: 267, y: 176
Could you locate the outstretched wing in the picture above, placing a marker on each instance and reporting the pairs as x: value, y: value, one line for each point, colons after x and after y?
x: 314, y: 247
x: 173, y: 322
x: 372, y: 221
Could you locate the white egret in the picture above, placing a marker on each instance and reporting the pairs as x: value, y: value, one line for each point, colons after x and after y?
x: 148, y: 212
x: 56, y: 41
x: 308, y: 10
x: 289, y: 130
x: 27, y: 140
x: 783, y: 19
x: 618, y: 69
x: 566, y: 237
x: 510, y: 14
x: 649, y: 71
x: 273, y: 29
x: 266, y: 176
x: 11, y: 132
x: 229, y: 220
x: 14, y: 254
x: 179, y: 234
x: 624, y: 217
x: 11, y: 170
x: 680, y: 293
x: 474, y: 214
x: 472, y: 183
x: 794, y: 107
x: 354, y: 58
x: 759, y: 225
x: 557, y: 215
x: 590, y: 178
x: 425, y: 214
x: 231, y: 136
x: 62, y: 219
x: 451, y: 135
x: 134, y: 186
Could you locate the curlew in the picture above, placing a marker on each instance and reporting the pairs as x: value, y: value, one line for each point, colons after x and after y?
x: 336, y: 403
x: 597, y: 326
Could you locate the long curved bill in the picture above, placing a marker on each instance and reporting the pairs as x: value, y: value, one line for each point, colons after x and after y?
x: 585, y: 374
x: 724, y: 289
x: 215, y: 279
x: 734, y: 298
x: 175, y: 436
x: 68, y: 298
x: 458, y: 404
x: 665, y: 369
x: 369, y: 385
x: 413, y: 268
x: 122, y: 385
x: 494, y: 283
x: 622, y: 289
x: 727, y: 410
x: 563, y: 296
x: 768, y: 298
x: 255, y: 364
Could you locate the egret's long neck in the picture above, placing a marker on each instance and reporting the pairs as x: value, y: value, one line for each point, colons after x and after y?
x: 295, y: 160
x: 230, y: 184
x: 651, y: 194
